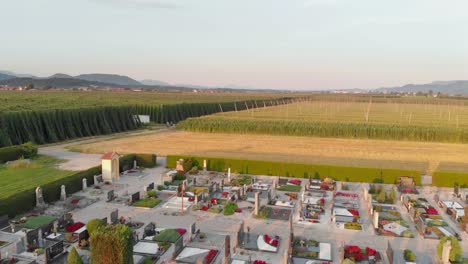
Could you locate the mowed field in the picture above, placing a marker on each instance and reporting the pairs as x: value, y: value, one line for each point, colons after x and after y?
x: 350, y: 152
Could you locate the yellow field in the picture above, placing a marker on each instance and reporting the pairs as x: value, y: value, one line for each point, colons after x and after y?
x: 350, y: 152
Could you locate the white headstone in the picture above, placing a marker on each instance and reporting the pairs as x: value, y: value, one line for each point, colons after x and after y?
x: 39, y: 237
x: 39, y: 198
x: 63, y: 193
x: 96, y: 181
x: 229, y: 175
x: 204, y: 165
x: 446, y: 252
x: 376, y: 219
x: 196, y: 198
x: 84, y: 184
x: 257, y: 201
x: 134, y: 164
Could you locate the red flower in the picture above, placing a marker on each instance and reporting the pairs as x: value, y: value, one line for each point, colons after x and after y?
x: 204, y: 208
x: 274, y: 243
x: 353, y: 212
x: 238, y: 210
x: 214, y: 200
x: 352, y: 249
x: 225, y: 194
x: 75, y: 201
x: 259, y: 262
x: 295, y: 182
x: 359, y: 257
x: 370, y: 251
x: 267, y: 238
x: 210, y: 256
x: 74, y: 227
x: 431, y: 211
x: 181, y: 231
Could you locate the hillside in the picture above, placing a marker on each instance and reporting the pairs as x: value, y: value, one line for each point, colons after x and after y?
x: 445, y: 87
x: 109, y: 78
x: 6, y: 76
x: 50, y: 82
x: 154, y: 83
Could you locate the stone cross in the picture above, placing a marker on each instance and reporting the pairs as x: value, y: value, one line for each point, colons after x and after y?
x: 376, y: 219
x: 241, y: 192
x: 63, y: 193
x: 55, y: 227
x: 256, y: 203
x: 446, y: 252
x: 84, y: 184
x: 39, y: 198
x: 229, y: 175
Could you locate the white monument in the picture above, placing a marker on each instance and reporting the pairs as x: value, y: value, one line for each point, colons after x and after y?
x: 376, y: 219
x: 84, y: 184
x: 204, y: 166
x: 180, y: 165
x: 63, y: 193
x: 446, y: 252
x: 39, y: 198
x: 229, y: 175
x: 110, y: 167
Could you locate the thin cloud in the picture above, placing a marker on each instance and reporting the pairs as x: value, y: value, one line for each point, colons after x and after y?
x: 165, y: 4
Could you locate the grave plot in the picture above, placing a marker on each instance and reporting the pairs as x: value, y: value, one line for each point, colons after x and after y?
x: 345, y: 211
x: 292, y: 185
x: 382, y: 194
x: 191, y: 255
x: 325, y: 184
x: 454, y: 209
x: 313, y: 206
x: 427, y: 219
x: 387, y: 221
x: 260, y: 242
x: 307, y: 251
x: 150, y: 200
x: 359, y: 254
x: 406, y: 185
x: 203, y: 248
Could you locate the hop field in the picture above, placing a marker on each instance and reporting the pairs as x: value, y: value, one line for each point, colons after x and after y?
x: 430, y: 121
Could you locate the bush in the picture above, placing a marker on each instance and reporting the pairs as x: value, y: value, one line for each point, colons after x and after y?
x: 112, y: 244
x: 179, y: 177
x: 455, y: 253
x: 409, y: 255
x: 230, y: 208
x: 74, y: 257
x: 27, y: 150
x: 160, y: 187
x: 297, y: 170
x: 151, y: 193
x: 93, y: 225
x: 167, y: 235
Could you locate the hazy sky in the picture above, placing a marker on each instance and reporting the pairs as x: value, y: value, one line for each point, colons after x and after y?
x: 295, y: 44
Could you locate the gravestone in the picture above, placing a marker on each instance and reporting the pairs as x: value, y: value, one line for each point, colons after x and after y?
x: 193, y: 228
x: 151, y: 186
x: 54, y: 250
x: 447, y: 247
x: 180, y: 165
x: 204, y: 166
x: 63, y: 193
x: 229, y: 175
x: 13, y: 227
x: 456, y: 189
x: 227, y: 248
x: 376, y: 220
x: 114, y: 217
x: 32, y: 236
x: 135, y: 165
x: 84, y: 185
x: 149, y: 229
x: 39, y: 238
x: 389, y: 252
x: 436, y: 198
x: 97, y: 180
x: 39, y: 198
x: 104, y: 220
x: 256, y: 203
x: 110, y: 195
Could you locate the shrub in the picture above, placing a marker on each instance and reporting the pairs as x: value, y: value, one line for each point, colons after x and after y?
x: 179, y: 177
x: 93, y: 225
x: 409, y: 255
x: 151, y: 193
x: 230, y: 208
x: 27, y: 150
x: 74, y: 257
x: 160, y: 187
x: 167, y: 235
x: 112, y: 244
x: 455, y: 253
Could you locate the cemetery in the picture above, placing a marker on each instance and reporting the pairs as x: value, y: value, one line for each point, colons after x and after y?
x: 313, y: 206
x: 388, y: 221
x: 304, y: 250
x: 345, y: 212
x: 382, y: 194
x: 359, y: 254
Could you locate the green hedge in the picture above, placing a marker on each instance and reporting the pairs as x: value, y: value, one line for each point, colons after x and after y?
x: 26, y: 200
x: 26, y: 150
x: 112, y: 244
x: 449, y: 179
x: 143, y: 160
x: 298, y: 170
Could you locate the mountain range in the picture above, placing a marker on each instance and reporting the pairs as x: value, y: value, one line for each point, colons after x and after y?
x: 445, y: 87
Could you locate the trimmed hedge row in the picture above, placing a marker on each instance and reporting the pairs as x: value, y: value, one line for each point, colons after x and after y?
x: 26, y: 200
x: 143, y: 160
x: 26, y: 150
x: 298, y: 170
x: 449, y: 179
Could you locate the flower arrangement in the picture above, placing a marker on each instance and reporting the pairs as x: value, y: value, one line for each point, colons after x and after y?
x: 270, y: 241
x: 431, y: 211
x: 295, y: 182
x: 210, y: 256
x: 75, y: 226
x: 259, y: 261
